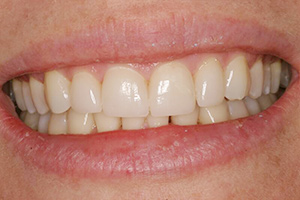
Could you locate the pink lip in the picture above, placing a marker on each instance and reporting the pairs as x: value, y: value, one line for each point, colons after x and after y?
x: 167, y: 150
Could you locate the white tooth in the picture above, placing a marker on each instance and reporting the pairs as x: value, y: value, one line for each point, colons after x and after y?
x: 133, y: 123
x: 106, y: 123
x: 237, y: 79
x: 209, y: 83
x: 264, y: 102
x: 58, y: 124
x: 252, y: 106
x: 86, y: 93
x: 267, y: 79
x: 275, y: 76
x: 214, y: 114
x: 44, y: 123
x: 237, y: 109
x: 273, y: 97
x: 38, y: 95
x: 154, y: 122
x: 285, y: 76
x: 125, y: 93
x: 22, y: 115
x: 171, y: 90
x: 27, y: 97
x: 257, y: 79
x: 32, y: 120
x: 187, y: 119
x: 57, y: 89
x: 17, y: 88
x: 79, y: 123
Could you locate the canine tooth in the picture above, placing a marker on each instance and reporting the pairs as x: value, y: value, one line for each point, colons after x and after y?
x: 17, y: 88
x: 257, y: 79
x: 209, y: 83
x: 285, y: 76
x: 58, y: 124
x: 267, y: 79
x: 237, y: 78
x: 125, y: 93
x: 79, y: 123
x: 275, y: 76
x: 106, y: 123
x: 32, y: 120
x: 171, y: 90
x: 38, y: 95
x: 187, y: 119
x: 264, y: 102
x: 252, y: 106
x: 85, y: 93
x: 214, y: 114
x: 27, y: 97
x: 57, y: 89
x: 273, y: 97
x: 133, y: 123
x: 44, y: 123
x: 237, y: 109
x: 154, y: 122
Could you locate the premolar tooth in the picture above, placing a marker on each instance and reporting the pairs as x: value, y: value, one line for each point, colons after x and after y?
x: 275, y: 76
x: 267, y: 79
x: 57, y: 89
x: 17, y: 88
x: 273, y: 97
x: 23, y: 115
x: 79, y: 123
x: 38, y: 96
x: 32, y: 120
x: 237, y: 78
x: 209, y: 83
x: 28, y: 97
x: 125, y: 93
x: 257, y: 79
x: 44, y: 123
x: 58, y: 124
x: 264, y: 102
x: 252, y: 106
x: 154, y: 122
x: 285, y: 76
x: 133, y: 123
x: 214, y: 114
x: 107, y: 123
x: 171, y: 90
x: 237, y: 109
x: 187, y: 119
x: 85, y: 93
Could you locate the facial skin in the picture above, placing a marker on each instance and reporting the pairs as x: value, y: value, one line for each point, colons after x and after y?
x: 271, y: 171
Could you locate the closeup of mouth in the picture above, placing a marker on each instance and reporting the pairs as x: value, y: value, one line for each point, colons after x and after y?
x: 196, y: 103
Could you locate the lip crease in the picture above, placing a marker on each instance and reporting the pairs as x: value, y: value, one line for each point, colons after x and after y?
x: 168, y: 150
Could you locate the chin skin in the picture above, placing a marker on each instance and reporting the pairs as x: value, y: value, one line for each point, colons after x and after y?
x: 271, y: 171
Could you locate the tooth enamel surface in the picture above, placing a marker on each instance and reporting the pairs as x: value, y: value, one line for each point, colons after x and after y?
x: 257, y: 79
x: 187, y: 119
x: 237, y: 109
x: 58, y: 124
x: 264, y: 102
x: 133, y: 123
x: 38, y: 96
x: 125, y: 93
x: 57, y: 89
x: 237, y: 78
x: 79, y: 123
x: 17, y: 88
x: 273, y: 97
x: 171, y: 90
x: 44, y: 123
x: 86, y: 93
x: 23, y: 115
x: 285, y: 75
x: 252, y: 106
x: 267, y: 79
x: 214, y: 114
x: 27, y: 97
x: 209, y: 83
x: 275, y: 76
x: 107, y: 123
x: 32, y: 120
x: 154, y: 122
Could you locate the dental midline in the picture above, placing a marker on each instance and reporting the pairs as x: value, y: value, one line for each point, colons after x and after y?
x: 124, y: 99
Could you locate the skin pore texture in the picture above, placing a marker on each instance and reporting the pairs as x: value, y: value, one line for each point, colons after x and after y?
x: 269, y: 171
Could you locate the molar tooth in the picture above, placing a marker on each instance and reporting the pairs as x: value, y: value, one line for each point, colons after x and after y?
x: 125, y: 93
x: 85, y: 93
x: 17, y: 88
x: 257, y: 79
x: 28, y: 97
x: 133, y: 123
x: 237, y: 78
x: 267, y: 79
x: 237, y: 109
x: 252, y: 106
x: 187, y: 119
x: 154, y: 122
x: 275, y: 76
x: 58, y: 124
x: 38, y: 96
x: 79, y: 123
x: 285, y: 76
x: 171, y: 90
x: 264, y: 102
x: 32, y: 120
x: 57, y: 89
x: 214, y: 114
x: 44, y: 123
x: 209, y: 83
x: 106, y: 123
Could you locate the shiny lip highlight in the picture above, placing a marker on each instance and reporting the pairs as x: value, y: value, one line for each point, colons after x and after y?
x: 167, y: 150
